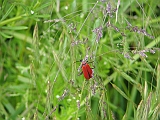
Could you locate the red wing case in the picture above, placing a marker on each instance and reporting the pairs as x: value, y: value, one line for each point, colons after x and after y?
x: 87, y: 71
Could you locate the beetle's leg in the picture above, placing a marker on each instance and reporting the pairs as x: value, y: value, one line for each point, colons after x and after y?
x: 80, y: 73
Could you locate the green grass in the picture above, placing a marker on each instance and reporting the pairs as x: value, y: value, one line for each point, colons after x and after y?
x: 40, y: 42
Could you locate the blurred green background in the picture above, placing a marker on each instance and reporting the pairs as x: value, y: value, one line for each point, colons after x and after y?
x: 41, y: 40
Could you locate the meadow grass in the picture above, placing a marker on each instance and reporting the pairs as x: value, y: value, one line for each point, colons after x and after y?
x: 40, y: 42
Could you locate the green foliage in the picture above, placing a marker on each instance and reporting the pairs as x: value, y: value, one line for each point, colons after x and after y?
x: 40, y: 42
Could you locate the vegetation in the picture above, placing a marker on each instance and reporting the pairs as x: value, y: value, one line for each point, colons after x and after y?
x: 42, y: 40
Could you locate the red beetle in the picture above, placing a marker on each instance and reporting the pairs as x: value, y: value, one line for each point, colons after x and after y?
x: 86, y: 70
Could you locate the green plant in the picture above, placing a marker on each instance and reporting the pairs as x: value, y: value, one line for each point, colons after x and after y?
x: 42, y: 40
